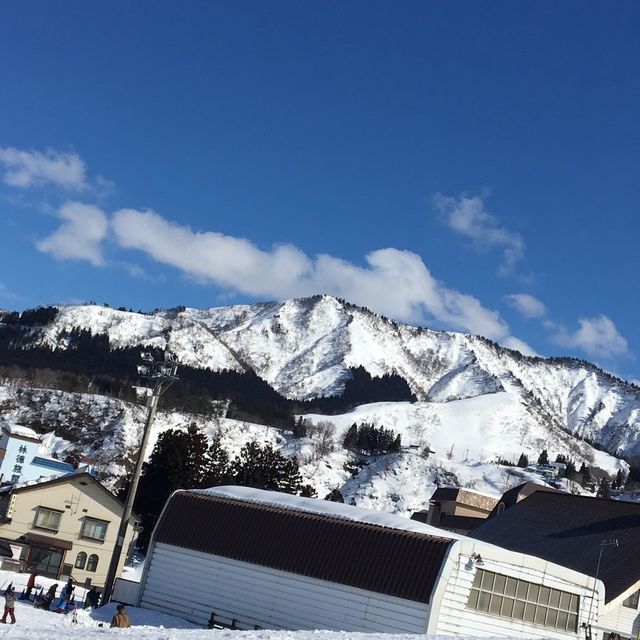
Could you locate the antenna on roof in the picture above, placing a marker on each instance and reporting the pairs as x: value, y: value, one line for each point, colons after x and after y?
x: 604, y: 543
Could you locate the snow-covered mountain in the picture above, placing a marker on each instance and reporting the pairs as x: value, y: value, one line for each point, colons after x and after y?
x: 304, y: 348
x: 476, y: 402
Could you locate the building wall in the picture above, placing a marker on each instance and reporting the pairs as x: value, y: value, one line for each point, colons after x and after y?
x: 77, y: 498
x: 483, y: 503
x: 451, y: 616
x: 617, y: 618
x: 193, y: 584
x: 458, y: 509
x: 467, y: 503
x: 16, y: 463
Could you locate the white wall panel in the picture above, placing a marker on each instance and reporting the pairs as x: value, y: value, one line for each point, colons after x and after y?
x: 455, y: 618
x: 193, y: 584
x: 622, y: 620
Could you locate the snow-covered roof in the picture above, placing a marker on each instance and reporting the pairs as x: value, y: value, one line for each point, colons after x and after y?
x: 18, y: 430
x: 326, y: 508
x: 42, y: 480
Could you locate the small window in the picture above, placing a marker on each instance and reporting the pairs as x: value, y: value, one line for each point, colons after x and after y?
x: 81, y: 560
x: 92, y: 562
x: 499, y: 584
x: 543, y: 598
x: 47, y: 519
x: 632, y: 600
x: 94, y: 529
x: 496, y: 604
x: 507, y: 607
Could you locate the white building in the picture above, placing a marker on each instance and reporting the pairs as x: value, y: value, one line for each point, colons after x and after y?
x: 256, y: 559
x: 20, y: 457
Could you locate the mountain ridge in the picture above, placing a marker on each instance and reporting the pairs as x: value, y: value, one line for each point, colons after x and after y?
x: 474, y: 404
x: 306, y: 348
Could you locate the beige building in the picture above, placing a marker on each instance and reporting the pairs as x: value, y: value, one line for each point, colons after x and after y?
x: 65, y: 526
x: 456, y: 509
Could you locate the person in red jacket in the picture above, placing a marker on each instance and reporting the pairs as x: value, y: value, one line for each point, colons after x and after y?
x: 30, y: 584
x: 9, y: 605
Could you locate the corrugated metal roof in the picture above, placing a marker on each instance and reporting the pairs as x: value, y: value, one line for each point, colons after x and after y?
x: 381, y: 559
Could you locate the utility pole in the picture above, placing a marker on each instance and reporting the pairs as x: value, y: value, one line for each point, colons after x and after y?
x: 161, y: 374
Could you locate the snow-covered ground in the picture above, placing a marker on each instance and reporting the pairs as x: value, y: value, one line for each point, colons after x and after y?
x: 36, y: 624
x: 465, y: 438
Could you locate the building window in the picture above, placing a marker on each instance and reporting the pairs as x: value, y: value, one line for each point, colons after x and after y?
x: 81, y: 560
x: 94, y: 529
x: 632, y: 600
x: 47, y: 519
x: 535, y: 604
x: 92, y: 563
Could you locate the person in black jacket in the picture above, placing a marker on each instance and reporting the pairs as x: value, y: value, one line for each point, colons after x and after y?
x: 92, y: 598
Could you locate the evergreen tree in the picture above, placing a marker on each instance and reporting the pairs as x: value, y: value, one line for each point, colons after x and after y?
x: 570, y: 470
x: 350, y: 440
x: 217, y: 469
x: 584, y: 475
x: 335, y: 495
x: 372, y: 440
x: 604, y: 489
x: 543, y: 458
x: 619, y: 482
x: 195, y: 461
x: 523, y: 461
x: 266, y: 468
x: 300, y: 428
x: 178, y: 461
x: 307, y: 491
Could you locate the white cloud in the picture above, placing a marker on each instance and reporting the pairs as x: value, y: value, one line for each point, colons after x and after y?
x: 394, y: 282
x: 79, y: 237
x: 468, y: 217
x: 527, y: 305
x: 597, y: 337
x: 24, y: 169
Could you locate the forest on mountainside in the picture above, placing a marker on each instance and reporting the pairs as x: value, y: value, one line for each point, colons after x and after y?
x: 88, y: 364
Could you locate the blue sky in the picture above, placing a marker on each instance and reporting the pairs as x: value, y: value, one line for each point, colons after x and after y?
x: 462, y: 165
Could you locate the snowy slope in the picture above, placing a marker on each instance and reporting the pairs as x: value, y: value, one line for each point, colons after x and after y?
x: 465, y: 439
x: 304, y: 348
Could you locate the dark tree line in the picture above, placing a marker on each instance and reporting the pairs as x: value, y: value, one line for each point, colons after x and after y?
x: 90, y: 363
x: 184, y: 459
x: 369, y: 439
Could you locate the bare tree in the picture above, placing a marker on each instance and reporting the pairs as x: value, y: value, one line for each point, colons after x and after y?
x: 324, y: 438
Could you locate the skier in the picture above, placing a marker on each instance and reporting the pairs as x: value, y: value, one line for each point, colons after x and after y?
x: 46, y: 601
x: 67, y: 592
x: 9, y: 605
x: 91, y: 599
x: 30, y: 584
